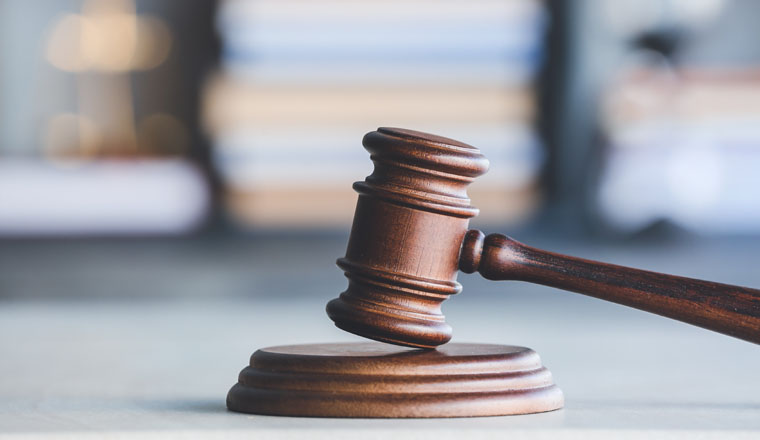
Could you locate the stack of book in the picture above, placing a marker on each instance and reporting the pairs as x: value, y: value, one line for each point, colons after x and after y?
x: 302, y: 81
x: 684, y: 146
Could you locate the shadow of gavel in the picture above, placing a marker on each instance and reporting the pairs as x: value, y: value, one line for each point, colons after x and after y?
x: 409, y: 239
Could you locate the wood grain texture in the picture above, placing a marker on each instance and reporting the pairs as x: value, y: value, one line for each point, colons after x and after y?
x: 409, y: 238
x: 732, y: 310
x: 379, y: 380
x: 402, y: 255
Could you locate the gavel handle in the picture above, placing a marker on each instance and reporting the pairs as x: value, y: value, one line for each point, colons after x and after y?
x: 727, y: 309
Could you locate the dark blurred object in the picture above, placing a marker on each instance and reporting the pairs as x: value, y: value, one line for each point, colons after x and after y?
x: 665, y: 41
x: 669, y: 124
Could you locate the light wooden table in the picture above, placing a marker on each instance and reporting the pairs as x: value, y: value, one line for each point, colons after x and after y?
x: 114, y: 367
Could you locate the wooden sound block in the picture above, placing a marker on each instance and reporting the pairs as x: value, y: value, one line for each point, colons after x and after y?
x: 378, y: 380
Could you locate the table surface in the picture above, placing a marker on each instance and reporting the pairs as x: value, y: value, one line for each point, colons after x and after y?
x: 159, y: 331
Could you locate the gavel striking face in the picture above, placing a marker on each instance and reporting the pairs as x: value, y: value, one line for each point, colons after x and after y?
x: 409, y: 238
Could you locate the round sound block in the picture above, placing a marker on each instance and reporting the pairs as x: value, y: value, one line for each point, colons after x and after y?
x: 379, y: 380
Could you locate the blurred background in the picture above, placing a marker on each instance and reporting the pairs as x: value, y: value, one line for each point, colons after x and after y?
x: 239, y: 117
x: 206, y: 149
x: 175, y: 176
x: 154, y: 149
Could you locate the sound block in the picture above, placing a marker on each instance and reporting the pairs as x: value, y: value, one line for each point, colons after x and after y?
x: 380, y: 380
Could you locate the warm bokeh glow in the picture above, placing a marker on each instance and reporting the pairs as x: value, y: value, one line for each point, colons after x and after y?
x: 108, y: 36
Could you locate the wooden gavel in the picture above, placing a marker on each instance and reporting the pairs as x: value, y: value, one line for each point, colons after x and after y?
x: 409, y: 238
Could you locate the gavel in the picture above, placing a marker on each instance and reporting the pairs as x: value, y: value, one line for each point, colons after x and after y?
x: 410, y: 237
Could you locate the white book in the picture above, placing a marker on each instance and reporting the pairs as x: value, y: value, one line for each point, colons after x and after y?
x: 331, y: 42
x: 415, y: 11
x: 112, y: 197
x: 380, y: 73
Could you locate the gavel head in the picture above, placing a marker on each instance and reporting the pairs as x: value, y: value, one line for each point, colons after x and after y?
x: 403, y: 252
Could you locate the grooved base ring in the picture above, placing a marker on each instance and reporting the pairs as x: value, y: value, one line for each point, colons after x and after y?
x: 380, y: 380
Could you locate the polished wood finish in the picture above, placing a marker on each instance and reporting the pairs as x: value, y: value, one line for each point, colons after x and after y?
x: 402, y: 256
x: 409, y: 230
x: 723, y: 308
x: 380, y: 380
